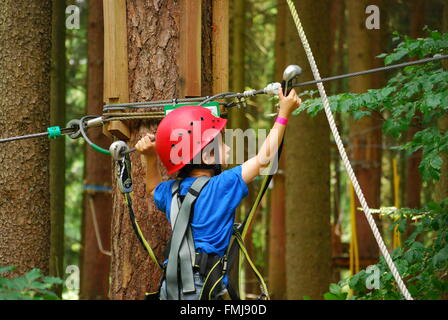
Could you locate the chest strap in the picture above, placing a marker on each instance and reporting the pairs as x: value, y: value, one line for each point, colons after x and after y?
x: 182, y: 250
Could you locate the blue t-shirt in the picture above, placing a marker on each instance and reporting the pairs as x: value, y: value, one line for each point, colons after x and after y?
x: 214, y: 209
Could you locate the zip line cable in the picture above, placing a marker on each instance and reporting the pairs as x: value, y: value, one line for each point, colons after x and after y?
x: 344, y: 156
x: 54, y: 132
x: 248, y: 93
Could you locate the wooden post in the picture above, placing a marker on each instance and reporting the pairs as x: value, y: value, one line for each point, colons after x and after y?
x: 190, y: 49
x: 115, y: 62
x: 220, y: 46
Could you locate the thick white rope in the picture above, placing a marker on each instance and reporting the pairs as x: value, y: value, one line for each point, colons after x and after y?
x: 344, y: 157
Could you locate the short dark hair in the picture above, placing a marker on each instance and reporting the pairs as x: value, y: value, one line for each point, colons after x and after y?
x: 196, y: 163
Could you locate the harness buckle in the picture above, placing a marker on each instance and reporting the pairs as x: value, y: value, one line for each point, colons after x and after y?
x: 224, y: 264
x: 124, y: 180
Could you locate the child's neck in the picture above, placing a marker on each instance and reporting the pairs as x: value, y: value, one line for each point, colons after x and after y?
x: 201, y: 172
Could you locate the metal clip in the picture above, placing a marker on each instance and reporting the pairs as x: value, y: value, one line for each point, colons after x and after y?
x: 124, y: 180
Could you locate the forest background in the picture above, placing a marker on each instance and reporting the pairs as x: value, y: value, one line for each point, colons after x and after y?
x: 308, y: 239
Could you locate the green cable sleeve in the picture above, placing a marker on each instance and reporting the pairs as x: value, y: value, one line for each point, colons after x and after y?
x: 54, y: 132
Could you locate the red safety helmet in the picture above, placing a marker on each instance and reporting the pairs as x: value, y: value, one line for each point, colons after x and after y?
x: 187, y: 128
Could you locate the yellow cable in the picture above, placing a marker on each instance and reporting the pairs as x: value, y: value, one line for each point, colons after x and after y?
x: 206, y: 278
x: 264, y: 288
x: 145, y: 243
x: 396, y: 235
x: 354, y: 251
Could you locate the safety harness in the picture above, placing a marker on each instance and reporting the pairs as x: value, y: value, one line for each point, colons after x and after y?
x: 183, y: 260
x: 182, y: 253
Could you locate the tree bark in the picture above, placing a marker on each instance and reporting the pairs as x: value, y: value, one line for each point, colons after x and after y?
x: 25, y: 226
x: 308, y: 231
x: 365, y: 134
x: 153, y: 30
x: 95, y: 265
x: 153, y: 43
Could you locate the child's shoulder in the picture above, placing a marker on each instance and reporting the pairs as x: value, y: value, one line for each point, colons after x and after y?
x: 232, y: 173
x: 165, y: 185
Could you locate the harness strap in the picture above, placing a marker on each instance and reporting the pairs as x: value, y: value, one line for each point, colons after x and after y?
x: 124, y: 182
x: 180, y: 250
x: 176, y: 203
x: 187, y: 245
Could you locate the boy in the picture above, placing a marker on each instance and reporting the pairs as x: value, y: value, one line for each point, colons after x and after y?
x: 197, y: 247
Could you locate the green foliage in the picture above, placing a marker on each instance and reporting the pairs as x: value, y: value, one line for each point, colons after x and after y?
x: 422, y: 262
x: 416, y: 96
x: 336, y: 293
x: 31, y: 286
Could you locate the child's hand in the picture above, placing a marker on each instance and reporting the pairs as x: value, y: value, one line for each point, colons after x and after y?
x: 290, y: 103
x: 147, y: 146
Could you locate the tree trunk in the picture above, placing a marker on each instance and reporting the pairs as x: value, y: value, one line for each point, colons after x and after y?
x: 277, y: 242
x: 417, y: 17
x: 237, y: 116
x: 336, y: 61
x: 153, y: 43
x: 237, y: 65
x: 95, y: 263
x: 308, y: 231
x: 413, y: 189
x: 153, y: 30
x: 365, y: 134
x: 57, y: 147
x: 25, y: 37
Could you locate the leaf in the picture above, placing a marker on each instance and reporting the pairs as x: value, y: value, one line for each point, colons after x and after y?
x: 441, y: 257
x: 331, y: 296
x: 7, y: 269
x: 394, y: 57
x: 32, y: 275
x: 436, y: 162
x: 52, y: 280
x: 334, y: 288
x: 360, y: 114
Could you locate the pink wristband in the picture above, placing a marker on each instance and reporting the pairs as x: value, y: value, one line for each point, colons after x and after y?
x: 282, y: 121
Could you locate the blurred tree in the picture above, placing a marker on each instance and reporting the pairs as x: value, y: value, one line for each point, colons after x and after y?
x: 308, y: 231
x: 336, y: 63
x: 237, y: 66
x: 365, y: 134
x: 414, y: 185
x: 25, y: 55
x: 277, y: 242
x: 57, y: 146
x: 95, y: 261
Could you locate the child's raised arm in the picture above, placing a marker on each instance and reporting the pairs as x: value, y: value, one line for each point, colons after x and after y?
x: 251, y: 168
x: 147, y: 147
